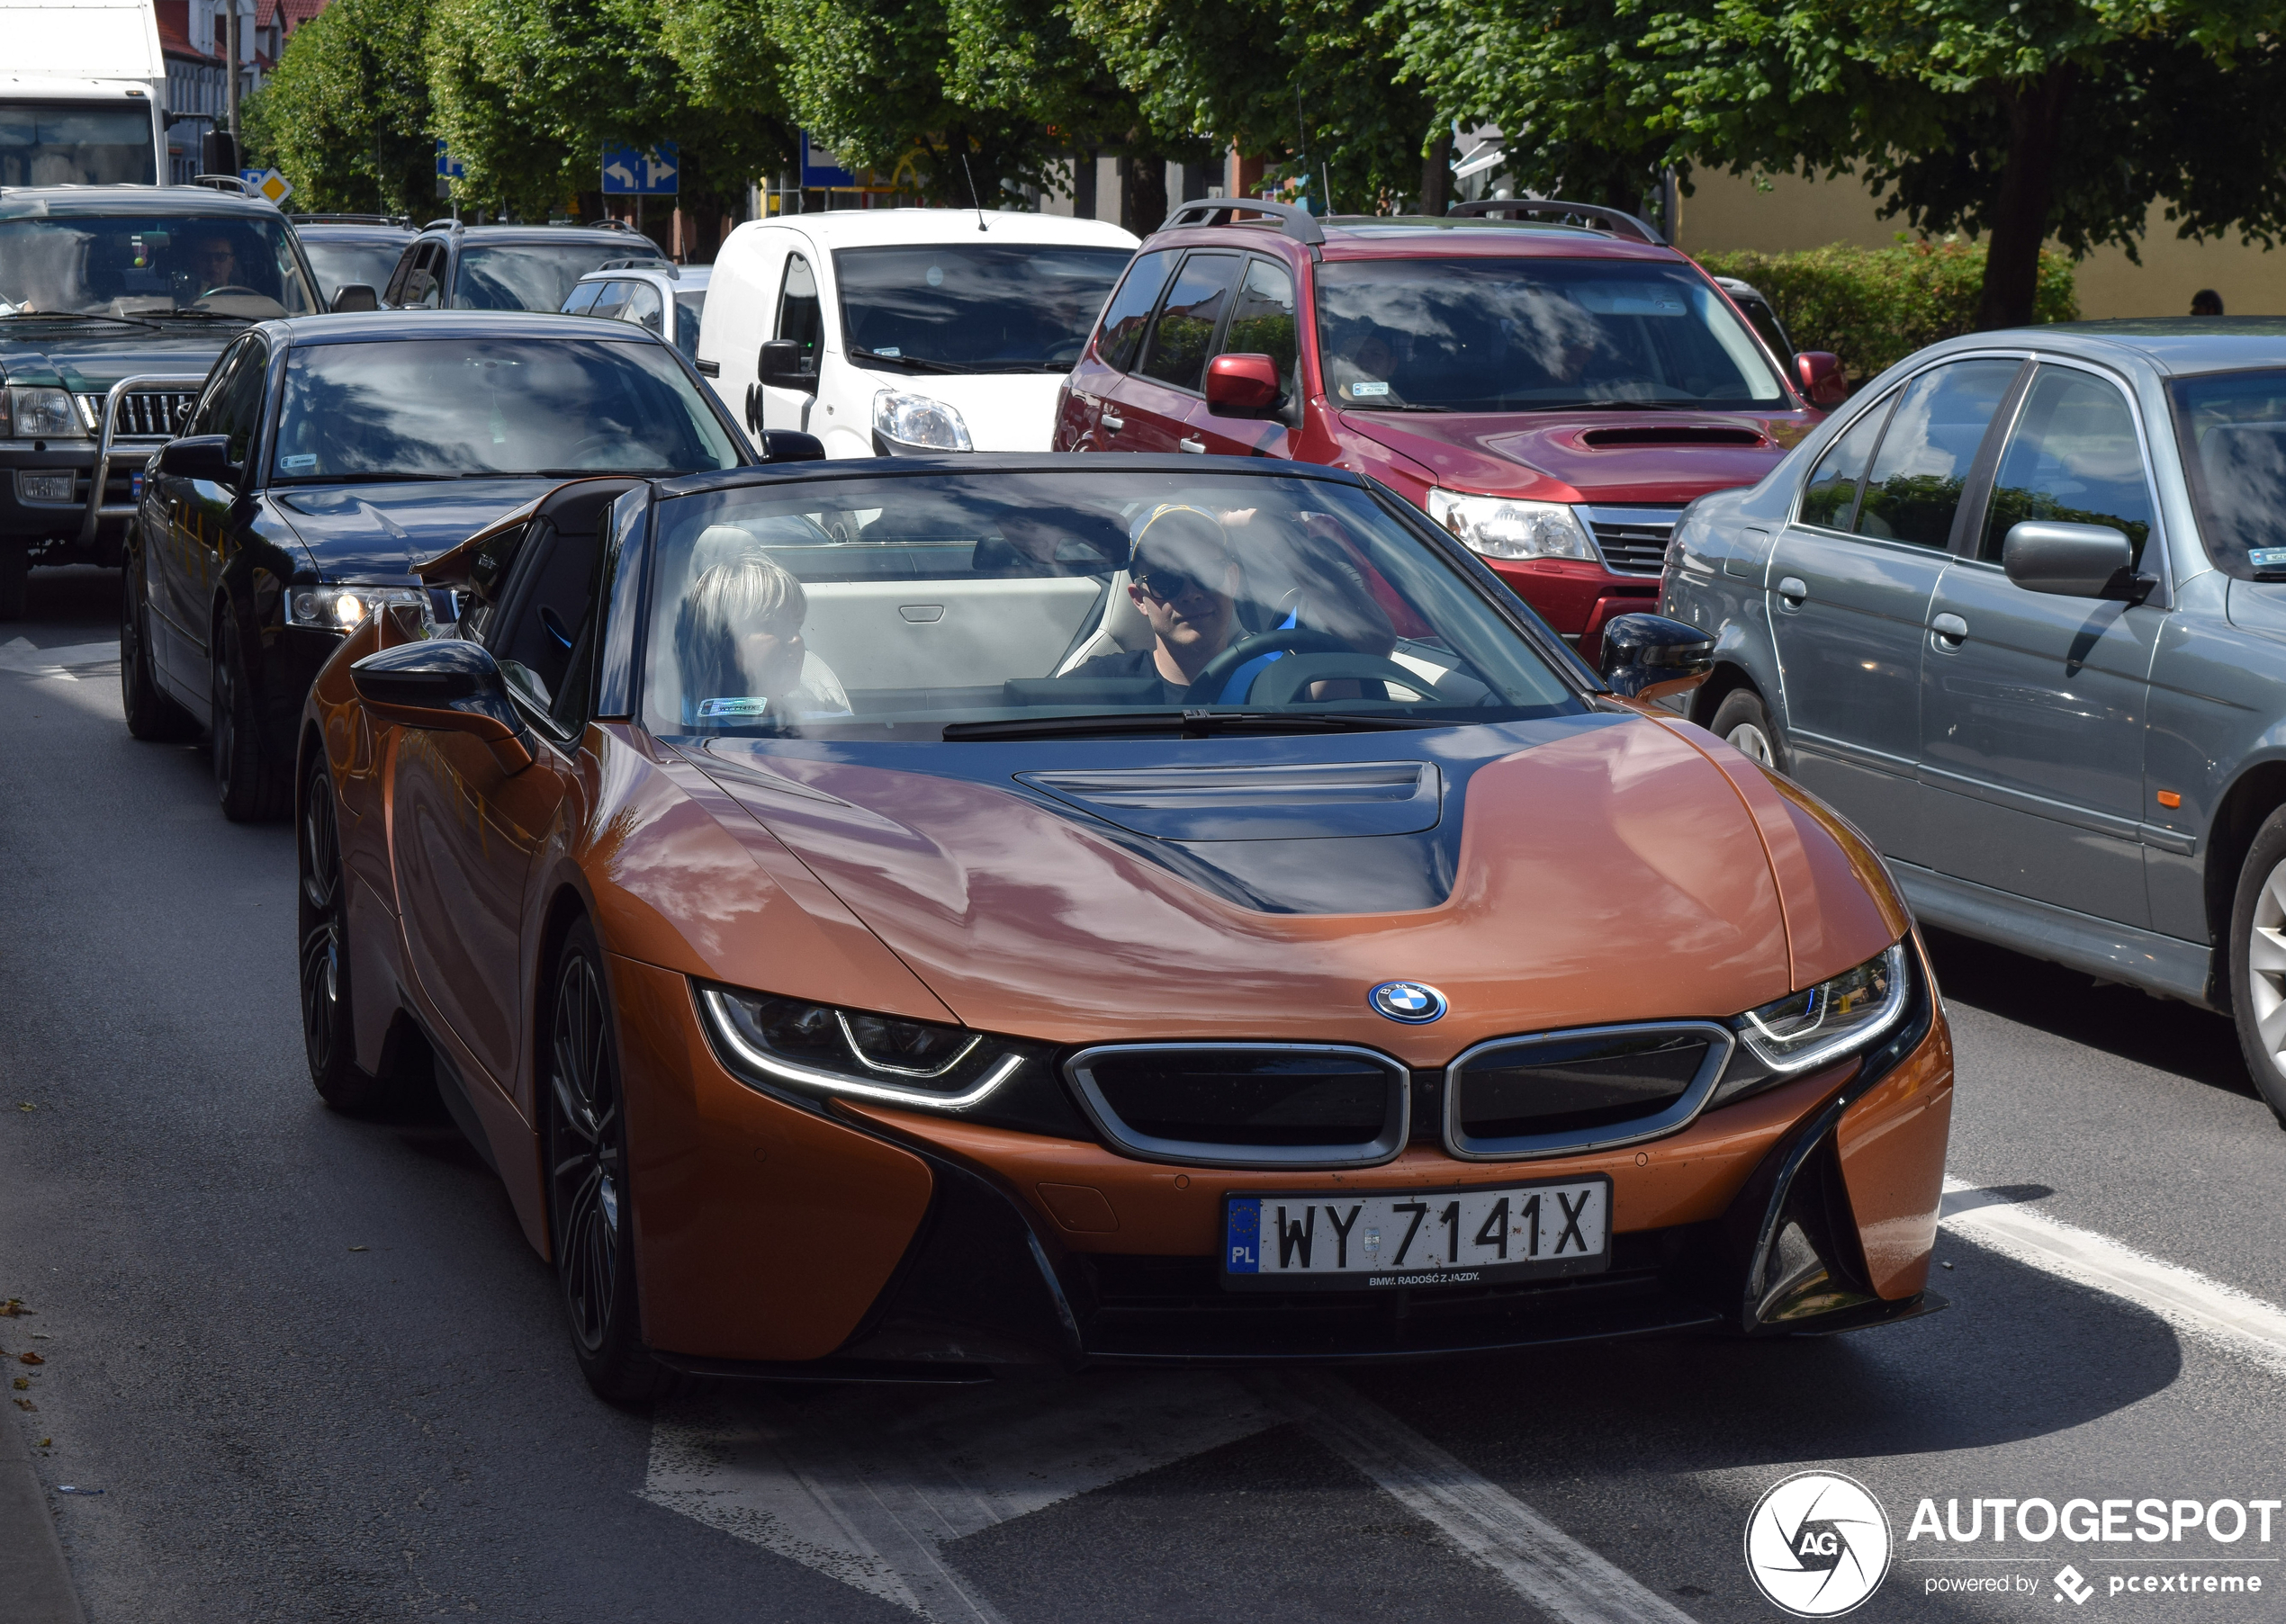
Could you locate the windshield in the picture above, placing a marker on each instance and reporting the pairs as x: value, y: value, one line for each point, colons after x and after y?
x: 1028, y: 603
x: 1533, y: 335
x: 339, y: 263
x: 529, y: 277
x: 77, y: 144
x: 448, y: 408
x: 974, y: 308
x: 144, y: 265
x: 2232, y: 427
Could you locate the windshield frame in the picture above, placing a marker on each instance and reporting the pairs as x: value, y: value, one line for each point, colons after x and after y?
x: 905, y: 365
x: 741, y: 448
x: 626, y: 673
x: 174, y: 220
x: 1331, y: 275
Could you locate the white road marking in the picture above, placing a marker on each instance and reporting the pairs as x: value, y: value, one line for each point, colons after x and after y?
x: 867, y: 1484
x: 24, y: 656
x: 2184, y: 1297
x: 1542, y: 1564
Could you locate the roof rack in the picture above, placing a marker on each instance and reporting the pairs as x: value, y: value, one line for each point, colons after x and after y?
x: 1294, y: 221
x: 347, y: 220
x: 442, y: 225
x: 1624, y: 224
x: 234, y: 185
x: 647, y: 262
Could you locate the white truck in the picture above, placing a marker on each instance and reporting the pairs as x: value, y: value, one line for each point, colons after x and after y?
x: 82, y: 93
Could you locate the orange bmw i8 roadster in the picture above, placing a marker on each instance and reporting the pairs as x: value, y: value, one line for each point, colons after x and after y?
x: 919, y: 917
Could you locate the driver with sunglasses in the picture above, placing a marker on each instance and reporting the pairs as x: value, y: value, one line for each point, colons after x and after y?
x: 1183, y: 577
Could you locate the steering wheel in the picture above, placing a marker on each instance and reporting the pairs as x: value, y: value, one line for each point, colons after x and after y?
x: 1213, y: 676
x: 1283, y: 682
x: 233, y: 287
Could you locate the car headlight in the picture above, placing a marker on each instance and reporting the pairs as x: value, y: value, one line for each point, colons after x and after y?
x: 910, y: 423
x: 39, y: 414
x: 1505, y: 527
x: 345, y: 608
x: 787, y: 1044
x: 1806, y: 1030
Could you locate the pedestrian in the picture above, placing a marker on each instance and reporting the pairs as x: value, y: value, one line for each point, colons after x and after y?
x: 2206, y: 301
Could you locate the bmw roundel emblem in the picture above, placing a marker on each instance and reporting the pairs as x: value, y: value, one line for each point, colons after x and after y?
x: 1416, y: 1003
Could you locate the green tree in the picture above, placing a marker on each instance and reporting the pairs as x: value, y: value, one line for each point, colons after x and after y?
x: 2022, y: 120
x: 345, y: 116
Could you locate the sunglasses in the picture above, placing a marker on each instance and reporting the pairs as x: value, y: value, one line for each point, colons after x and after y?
x: 1168, y: 585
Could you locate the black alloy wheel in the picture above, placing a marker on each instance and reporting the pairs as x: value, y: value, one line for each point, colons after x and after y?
x: 591, y: 1216
x: 151, y: 715
x: 327, y: 1035
x: 251, y: 784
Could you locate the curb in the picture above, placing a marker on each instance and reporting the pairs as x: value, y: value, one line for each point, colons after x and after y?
x: 35, y: 1587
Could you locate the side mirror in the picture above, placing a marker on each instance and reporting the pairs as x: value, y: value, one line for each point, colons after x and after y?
x: 2073, y: 560
x: 200, y: 457
x: 791, y: 445
x: 448, y: 684
x: 781, y: 367
x: 1243, y: 385
x: 1820, y: 372
x: 354, y: 296
x: 1651, y: 657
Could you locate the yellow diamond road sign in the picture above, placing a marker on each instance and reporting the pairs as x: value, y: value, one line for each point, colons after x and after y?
x: 275, y: 186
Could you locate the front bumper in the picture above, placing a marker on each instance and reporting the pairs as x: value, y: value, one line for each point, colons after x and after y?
x: 866, y: 1240
x: 58, y: 531
x: 1576, y: 596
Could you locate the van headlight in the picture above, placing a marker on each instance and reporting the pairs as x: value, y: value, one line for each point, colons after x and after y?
x: 904, y: 425
x: 1507, y: 528
x: 781, y: 1043
x: 1835, y: 1018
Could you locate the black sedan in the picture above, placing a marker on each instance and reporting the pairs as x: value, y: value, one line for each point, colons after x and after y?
x: 325, y: 459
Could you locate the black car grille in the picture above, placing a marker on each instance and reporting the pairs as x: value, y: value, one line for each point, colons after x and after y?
x: 1570, y: 1091
x: 1246, y: 1105
x: 146, y: 414
x: 1633, y: 544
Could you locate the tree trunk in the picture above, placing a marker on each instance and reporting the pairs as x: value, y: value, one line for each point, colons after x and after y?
x: 1436, y: 173
x: 2027, y: 189
x: 1144, y: 184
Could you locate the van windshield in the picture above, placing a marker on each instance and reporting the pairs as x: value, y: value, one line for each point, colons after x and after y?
x: 77, y: 144
x: 1534, y: 335
x: 972, y: 308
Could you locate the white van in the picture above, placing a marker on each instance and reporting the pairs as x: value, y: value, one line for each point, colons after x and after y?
x: 81, y: 94
x: 889, y: 332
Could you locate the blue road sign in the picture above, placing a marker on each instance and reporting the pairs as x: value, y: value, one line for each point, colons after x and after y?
x: 652, y: 174
x: 820, y: 167
x: 449, y: 168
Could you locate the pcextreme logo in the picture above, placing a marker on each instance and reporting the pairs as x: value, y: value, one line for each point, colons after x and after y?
x: 1817, y: 1544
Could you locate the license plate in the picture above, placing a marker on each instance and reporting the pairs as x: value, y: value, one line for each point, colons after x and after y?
x: 1351, y: 1241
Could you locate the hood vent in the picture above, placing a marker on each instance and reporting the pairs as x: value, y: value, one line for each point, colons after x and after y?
x: 1255, y: 802
x: 1677, y: 434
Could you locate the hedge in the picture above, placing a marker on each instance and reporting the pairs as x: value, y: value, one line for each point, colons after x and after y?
x: 1873, y: 307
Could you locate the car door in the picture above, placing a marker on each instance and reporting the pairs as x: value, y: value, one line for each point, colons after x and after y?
x: 424, y: 288
x: 1157, y: 400
x: 1093, y: 420
x: 799, y: 315
x: 392, y: 293
x: 1849, y: 585
x: 200, y: 514
x: 1261, y: 323
x: 645, y: 308
x: 2033, y: 708
x: 466, y: 832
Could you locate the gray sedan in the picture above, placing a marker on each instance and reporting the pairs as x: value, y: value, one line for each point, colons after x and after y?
x: 2018, y: 610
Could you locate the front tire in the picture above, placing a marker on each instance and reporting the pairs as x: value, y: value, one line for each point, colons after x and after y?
x: 1744, y: 722
x: 151, y: 715
x: 329, y: 1035
x: 2257, y: 949
x: 253, y: 785
x: 591, y: 1216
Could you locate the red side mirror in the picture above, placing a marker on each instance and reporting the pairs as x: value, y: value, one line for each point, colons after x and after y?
x: 1821, y: 380
x: 1243, y: 386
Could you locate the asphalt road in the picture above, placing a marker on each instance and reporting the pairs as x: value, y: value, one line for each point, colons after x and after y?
x: 317, y: 1374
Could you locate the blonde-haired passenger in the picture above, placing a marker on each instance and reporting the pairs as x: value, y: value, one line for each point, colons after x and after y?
x: 738, y: 640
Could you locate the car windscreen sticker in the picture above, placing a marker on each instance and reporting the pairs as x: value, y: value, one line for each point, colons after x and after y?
x: 708, y: 708
x: 1246, y: 1231
x: 308, y: 459
x: 2267, y: 558
x: 1360, y: 391
x: 1625, y: 299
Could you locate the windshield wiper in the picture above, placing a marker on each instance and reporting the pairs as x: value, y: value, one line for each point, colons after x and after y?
x: 1619, y: 406
x: 1190, y: 724
x: 916, y: 363
x: 387, y: 478
x: 72, y: 316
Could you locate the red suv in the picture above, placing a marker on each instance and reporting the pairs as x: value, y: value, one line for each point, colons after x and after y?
x: 1551, y: 393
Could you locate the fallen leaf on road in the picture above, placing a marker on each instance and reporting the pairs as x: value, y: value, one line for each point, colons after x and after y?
x: 25, y: 1403
x: 21, y: 1383
x: 11, y: 1308
x: 30, y: 1358
x: 361, y: 1248
x: 47, y: 1443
